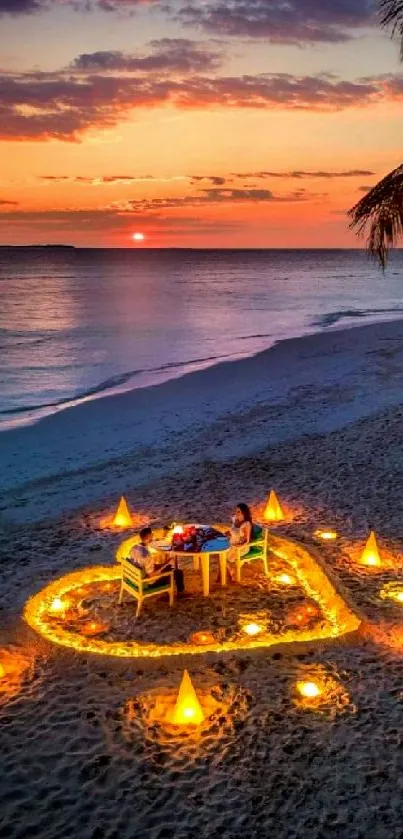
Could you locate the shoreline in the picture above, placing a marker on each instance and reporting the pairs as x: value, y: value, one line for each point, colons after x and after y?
x: 124, y: 383
x: 311, y: 385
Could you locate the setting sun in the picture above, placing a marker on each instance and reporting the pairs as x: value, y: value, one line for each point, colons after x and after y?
x: 138, y: 237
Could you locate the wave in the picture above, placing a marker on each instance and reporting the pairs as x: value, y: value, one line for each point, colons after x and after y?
x: 330, y: 318
x: 20, y: 340
x: 112, y: 384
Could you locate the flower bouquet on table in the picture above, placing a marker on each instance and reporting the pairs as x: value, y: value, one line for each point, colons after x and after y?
x: 193, y: 537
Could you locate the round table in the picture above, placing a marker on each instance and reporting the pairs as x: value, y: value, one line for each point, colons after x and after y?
x: 215, y: 547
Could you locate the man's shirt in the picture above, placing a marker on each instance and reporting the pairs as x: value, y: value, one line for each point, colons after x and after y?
x: 141, y: 557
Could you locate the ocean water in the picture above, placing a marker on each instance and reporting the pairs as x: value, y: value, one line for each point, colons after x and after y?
x: 78, y: 324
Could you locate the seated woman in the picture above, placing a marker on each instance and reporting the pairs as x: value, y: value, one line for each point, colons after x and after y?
x: 142, y: 558
x: 240, y: 535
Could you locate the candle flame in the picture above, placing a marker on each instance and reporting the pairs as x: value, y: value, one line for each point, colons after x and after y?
x: 178, y: 529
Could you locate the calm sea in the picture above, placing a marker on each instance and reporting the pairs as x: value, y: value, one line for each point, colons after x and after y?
x: 76, y: 324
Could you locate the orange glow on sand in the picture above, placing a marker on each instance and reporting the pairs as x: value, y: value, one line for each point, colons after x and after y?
x: 370, y: 555
x: 15, y: 666
x: 273, y: 510
x: 392, y: 591
x: 387, y: 635
x: 188, y: 710
x: 319, y: 689
x: 93, y: 628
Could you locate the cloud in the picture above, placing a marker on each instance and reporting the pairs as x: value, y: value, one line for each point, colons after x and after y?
x: 109, y: 180
x: 301, y: 174
x: 279, y: 21
x: 216, y: 180
x: 64, y: 105
x: 291, y: 22
x: 211, y: 196
x: 120, y: 5
x: 21, y: 7
x: 27, y: 7
x: 168, y: 55
x: 4, y: 202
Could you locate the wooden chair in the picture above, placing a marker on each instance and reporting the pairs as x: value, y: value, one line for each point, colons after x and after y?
x: 257, y: 549
x: 139, y: 587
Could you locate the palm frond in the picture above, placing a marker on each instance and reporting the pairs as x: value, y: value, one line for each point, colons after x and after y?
x: 391, y: 14
x: 381, y: 210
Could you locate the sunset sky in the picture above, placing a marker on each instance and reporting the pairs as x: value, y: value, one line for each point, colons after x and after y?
x: 208, y: 123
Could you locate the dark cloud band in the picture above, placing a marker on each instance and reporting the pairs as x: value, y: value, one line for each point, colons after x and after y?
x: 296, y: 21
x: 63, y: 105
x: 291, y: 22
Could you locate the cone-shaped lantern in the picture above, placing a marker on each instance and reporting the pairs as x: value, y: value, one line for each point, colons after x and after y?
x: 370, y: 554
x: 273, y: 510
x: 187, y: 710
x: 122, y: 516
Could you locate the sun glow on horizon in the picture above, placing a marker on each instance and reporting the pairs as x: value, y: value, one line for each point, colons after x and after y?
x: 138, y: 237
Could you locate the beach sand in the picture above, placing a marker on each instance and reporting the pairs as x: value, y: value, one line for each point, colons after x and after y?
x: 320, y: 420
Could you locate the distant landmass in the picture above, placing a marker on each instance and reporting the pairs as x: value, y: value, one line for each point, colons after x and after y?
x: 40, y: 247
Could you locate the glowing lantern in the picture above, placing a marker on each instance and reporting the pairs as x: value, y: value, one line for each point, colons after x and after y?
x: 253, y: 628
x: 370, y: 555
x: 273, y: 510
x: 286, y: 579
x: 57, y: 606
x: 122, y: 516
x: 310, y: 690
x: 399, y: 596
x: 188, y: 710
x: 326, y: 535
x: 93, y: 628
x: 2, y: 671
x: 202, y: 638
x: 178, y: 529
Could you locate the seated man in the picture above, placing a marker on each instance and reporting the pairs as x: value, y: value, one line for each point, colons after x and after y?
x: 142, y: 558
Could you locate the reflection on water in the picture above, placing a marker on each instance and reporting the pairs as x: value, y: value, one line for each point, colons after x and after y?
x: 75, y: 324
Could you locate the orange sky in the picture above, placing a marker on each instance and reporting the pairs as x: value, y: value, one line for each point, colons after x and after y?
x: 250, y: 130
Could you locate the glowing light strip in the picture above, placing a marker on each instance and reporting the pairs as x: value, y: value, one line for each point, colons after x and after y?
x: 340, y: 619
